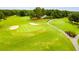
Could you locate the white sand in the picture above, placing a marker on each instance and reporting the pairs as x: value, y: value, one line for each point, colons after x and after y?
x: 33, y: 24
x: 13, y: 27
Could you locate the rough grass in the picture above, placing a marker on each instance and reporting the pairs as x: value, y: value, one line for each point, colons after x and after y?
x: 29, y: 37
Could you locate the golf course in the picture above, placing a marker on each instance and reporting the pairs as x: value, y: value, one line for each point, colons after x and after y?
x: 38, y: 30
x: 31, y: 37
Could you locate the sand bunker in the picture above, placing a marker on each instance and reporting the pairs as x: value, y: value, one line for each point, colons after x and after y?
x: 14, y: 27
x: 33, y: 24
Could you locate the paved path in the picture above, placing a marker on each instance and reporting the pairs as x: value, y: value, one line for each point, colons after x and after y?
x: 73, y: 40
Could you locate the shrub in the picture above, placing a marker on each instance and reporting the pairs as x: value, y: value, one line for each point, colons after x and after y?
x: 71, y: 34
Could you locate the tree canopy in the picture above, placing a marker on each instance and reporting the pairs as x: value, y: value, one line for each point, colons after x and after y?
x: 74, y: 17
x: 38, y: 12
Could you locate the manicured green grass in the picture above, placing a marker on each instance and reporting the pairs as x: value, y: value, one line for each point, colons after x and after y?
x: 64, y: 24
x: 31, y: 37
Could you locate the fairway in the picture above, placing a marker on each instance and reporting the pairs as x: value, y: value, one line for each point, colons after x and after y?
x: 33, y: 35
x: 64, y: 24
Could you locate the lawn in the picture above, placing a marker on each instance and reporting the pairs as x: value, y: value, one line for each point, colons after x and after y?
x: 31, y: 37
x: 64, y: 24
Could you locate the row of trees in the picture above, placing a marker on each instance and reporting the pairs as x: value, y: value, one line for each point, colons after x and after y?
x: 6, y: 13
x: 74, y: 17
x: 37, y: 12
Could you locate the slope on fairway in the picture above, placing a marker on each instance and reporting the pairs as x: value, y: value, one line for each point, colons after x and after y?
x: 64, y: 24
x: 29, y: 37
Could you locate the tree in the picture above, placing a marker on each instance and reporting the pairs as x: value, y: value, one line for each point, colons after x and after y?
x: 38, y: 12
x: 49, y: 12
x: 57, y: 13
x: 43, y: 11
x: 21, y: 13
x: 7, y: 12
x: 2, y: 16
x: 74, y: 17
x: 65, y: 13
